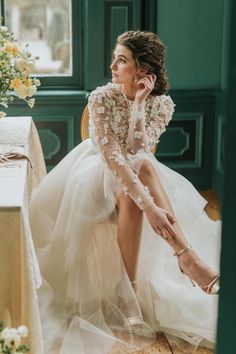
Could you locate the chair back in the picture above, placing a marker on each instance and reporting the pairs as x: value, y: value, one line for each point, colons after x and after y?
x: 84, y: 124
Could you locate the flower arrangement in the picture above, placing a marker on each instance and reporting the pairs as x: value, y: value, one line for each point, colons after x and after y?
x: 15, y: 68
x: 10, y: 340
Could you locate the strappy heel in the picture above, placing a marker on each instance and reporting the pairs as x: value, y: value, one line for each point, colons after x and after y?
x: 128, y: 307
x: 214, y: 287
x: 211, y: 289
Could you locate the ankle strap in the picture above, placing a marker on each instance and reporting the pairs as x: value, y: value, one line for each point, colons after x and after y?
x: 212, y: 286
x: 186, y: 249
x: 133, y: 282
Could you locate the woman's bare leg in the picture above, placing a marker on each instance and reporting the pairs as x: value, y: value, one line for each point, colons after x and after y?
x: 189, y: 262
x: 129, y: 228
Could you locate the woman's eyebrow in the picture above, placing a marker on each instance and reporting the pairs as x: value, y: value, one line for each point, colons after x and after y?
x: 120, y: 56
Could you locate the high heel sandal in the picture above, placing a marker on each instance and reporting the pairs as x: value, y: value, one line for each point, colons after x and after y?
x: 133, y: 324
x: 213, y: 288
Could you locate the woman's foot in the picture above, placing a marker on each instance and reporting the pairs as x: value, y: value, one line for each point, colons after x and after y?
x: 129, y: 306
x: 191, y: 265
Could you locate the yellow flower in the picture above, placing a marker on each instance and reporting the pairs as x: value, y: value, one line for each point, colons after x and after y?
x: 28, y: 82
x: 16, y: 83
x: 11, y: 48
x: 31, y: 90
x: 24, y: 91
x: 15, y: 69
x: 21, y: 65
x: 21, y: 91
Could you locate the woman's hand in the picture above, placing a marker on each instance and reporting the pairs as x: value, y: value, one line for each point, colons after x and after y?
x: 144, y: 86
x: 161, y: 221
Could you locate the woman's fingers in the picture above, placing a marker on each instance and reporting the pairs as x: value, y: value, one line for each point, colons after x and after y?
x: 165, y: 235
x: 171, y: 231
x: 170, y: 218
x: 162, y: 223
x: 160, y: 232
x: 147, y: 81
x: 154, y: 77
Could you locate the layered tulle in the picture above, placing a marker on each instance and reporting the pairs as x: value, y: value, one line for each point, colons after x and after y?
x: 86, y: 298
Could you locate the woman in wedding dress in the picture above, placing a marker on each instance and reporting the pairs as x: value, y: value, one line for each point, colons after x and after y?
x: 107, y: 220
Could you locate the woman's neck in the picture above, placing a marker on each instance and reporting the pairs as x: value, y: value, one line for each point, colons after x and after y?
x: 128, y: 91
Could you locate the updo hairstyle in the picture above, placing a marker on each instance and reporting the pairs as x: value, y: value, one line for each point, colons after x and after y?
x: 148, y: 52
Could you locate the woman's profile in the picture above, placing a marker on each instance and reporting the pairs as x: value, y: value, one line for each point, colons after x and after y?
x: 124, y: 245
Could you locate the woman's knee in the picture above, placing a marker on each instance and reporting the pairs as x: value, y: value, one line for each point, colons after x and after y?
x: 147, y: 170
x: 125, y: 202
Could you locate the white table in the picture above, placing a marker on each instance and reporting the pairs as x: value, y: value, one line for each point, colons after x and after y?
x: 19, y: 272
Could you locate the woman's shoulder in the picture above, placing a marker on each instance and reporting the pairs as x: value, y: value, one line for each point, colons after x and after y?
x: 108, y: 91
x: 161, y: 105
x: 161, y: 108
x: 161, y: 100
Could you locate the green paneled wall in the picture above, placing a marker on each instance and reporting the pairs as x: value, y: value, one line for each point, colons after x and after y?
x: 192, y: 31
x: 104, y: 20
x: 194, y: 34
x: 219, y: 162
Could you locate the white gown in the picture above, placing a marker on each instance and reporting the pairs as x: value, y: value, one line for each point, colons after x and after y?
x: 73, y: 220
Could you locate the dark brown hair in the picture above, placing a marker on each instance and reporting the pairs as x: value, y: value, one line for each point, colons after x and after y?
x: 148, y: 52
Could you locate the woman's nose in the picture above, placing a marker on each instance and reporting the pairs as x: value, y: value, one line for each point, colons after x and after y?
x: 113, y: 66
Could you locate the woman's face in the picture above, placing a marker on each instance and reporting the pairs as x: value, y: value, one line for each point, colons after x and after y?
x: 123, y: 66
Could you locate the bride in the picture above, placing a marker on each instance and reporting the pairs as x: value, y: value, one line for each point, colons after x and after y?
x: 108, y: 219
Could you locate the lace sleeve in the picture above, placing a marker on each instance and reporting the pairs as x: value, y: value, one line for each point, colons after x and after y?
x: 137, y: 138
x: 161, y: 114
x: 103, y: 137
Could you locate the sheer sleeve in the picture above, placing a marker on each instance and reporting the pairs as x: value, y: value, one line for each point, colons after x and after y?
x: 161, y: 113
x: 137, y: 137
x: 104, y: 138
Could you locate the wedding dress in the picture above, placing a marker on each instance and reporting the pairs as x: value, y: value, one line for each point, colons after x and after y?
x: 73, y: 221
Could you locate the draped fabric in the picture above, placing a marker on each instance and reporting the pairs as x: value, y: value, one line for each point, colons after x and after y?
x: 86, y: 298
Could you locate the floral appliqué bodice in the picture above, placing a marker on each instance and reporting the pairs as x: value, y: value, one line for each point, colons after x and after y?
x: 120, y: 128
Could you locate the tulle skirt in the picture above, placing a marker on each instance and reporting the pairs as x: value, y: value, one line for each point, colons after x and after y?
x: 86, y: 299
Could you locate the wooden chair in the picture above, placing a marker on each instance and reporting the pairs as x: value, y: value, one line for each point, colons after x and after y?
x: 84, y: 127
x: 84, y: 124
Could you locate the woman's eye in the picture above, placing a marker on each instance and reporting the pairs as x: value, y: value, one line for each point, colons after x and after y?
x: 118, y: 60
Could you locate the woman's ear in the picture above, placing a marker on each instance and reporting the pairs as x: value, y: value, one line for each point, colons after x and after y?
x: 142, y: 72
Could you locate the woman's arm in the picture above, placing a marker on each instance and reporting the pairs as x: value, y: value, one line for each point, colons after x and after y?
x: 104, y: 138
x: 143, y: 134
x: 137, y: 138
x: 160, y: 116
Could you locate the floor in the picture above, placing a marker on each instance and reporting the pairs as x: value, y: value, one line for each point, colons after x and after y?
x: 162, y: 345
